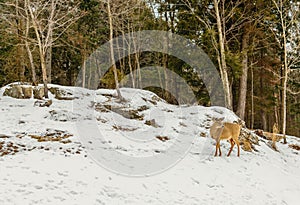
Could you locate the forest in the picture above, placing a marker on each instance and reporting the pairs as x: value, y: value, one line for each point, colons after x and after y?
x: 254, y: 44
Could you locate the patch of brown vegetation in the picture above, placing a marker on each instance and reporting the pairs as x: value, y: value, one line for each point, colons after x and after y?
x: 53, y: 135
x: 163, y: 138
x: 8, y: 148
x: 3, y: 136
x: 295, y: 146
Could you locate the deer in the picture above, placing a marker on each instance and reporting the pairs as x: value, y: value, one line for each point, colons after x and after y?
x: 225, y: 131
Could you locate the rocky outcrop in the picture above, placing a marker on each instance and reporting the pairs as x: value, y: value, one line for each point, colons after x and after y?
x: 248, y: 139
x: 24, y: 91
x: 27, y: 91
x: 61, y: 94
x: 14, y: 91
x: 152, y: 123
x: 38, y: 92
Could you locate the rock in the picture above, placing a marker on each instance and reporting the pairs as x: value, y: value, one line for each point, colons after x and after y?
x: 27, y: 92
x: 142, y: 108
x: 203, y: 134
x: 129, y: 114
x: 248, y: 139
x: 15, y: 91
x: 248, y: 135
x: 247, y: 146
x: 43, y: 103
x: 38, y: 92
x: 61, y: 94
x: 151, y: 123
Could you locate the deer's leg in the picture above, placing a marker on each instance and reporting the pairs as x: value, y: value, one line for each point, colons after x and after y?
x: 232, y: 145
x: 216, y: 152
x: 238, y: 145
x: 220, y: 153
x: 218, y: 147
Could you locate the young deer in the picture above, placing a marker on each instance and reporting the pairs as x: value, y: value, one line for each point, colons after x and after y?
x: 225, y: 131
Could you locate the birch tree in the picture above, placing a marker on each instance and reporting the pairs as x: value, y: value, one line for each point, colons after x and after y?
x: 50, y: 19
x: 114, y: 10
x: 288, y: 18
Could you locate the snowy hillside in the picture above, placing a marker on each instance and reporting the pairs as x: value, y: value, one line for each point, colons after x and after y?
x: 89, y: 148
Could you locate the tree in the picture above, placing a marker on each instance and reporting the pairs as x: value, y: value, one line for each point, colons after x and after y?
x: 249, y: 29
x: 287, y: 17
x: 220, y: 19
x: 117, y: 11
x: 50, y: 19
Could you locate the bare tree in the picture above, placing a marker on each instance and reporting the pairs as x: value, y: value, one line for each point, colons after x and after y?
x: 50, y: 19
x: 288, y: 18
x: 111, y: 36
x: 27, y: 45
x: 222, y: 57
x: 222, y: 13
x: 15, y: 16
x: 116, y: 9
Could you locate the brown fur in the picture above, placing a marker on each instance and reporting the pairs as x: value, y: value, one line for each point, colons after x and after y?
x: 225, y: 131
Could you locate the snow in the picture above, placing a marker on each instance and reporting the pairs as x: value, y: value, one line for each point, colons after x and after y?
x: 113, y: 159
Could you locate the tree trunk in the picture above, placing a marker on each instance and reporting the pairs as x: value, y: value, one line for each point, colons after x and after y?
x: 29, y: 53
x: 243, y: 80
x: 223, y: 67
x: 252, y: 98
x: 165, y: 59
x: 44, y: 73
x: 276, y: 108
x: 83, y: 71
x: 49, y: 62
x: 285, y: 79
x: 137, y: 63
x: 112, y: 58
x: 33, y: 73
x: 129, y: 62
x: 20, y: 58
x: 284, y: 99
x: 42, y: 51
x: 264, y: 120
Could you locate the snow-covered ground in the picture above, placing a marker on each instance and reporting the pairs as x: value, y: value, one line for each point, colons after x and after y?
x: 96, y: 150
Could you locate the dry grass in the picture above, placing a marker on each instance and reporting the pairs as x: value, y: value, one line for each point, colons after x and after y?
x: 53, y: 137
x: 295, y: 146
